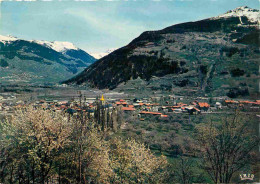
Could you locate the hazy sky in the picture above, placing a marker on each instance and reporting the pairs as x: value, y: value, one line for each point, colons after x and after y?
x: 98, y: 26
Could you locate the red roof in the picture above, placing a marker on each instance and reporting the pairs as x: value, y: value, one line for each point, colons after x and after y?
x: 121, y: 103
x: 121, y: 100
x: 203, y: 104
x: 131, y: 106
x: 154, y: 113
x: 230, y: 101
x: 164, y: 116
x: 246, y: 101
x: 127, y: 109
x: 141, y: 104
x: 176, y: 106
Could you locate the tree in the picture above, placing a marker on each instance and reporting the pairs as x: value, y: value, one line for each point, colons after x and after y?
x: 225, y: 146
x: 134, y: 163
x: 42, y: 146
x: 31, y: 140
x: 114, y: 123
x: 185, y: 170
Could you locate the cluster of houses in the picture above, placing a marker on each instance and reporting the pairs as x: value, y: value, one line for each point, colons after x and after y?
x: 156, y: 109
x: 195, y: 107
x: 141, y: 107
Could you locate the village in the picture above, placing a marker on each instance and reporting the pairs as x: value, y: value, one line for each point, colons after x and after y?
x: 142, y: 108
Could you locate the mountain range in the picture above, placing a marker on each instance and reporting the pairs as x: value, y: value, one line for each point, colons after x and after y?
x: 35, y: 61
x: 218, y: 55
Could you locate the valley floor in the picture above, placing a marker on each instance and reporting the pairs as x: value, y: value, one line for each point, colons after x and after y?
x: 161, y: 120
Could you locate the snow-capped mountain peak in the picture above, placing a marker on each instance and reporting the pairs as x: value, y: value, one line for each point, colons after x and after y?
x: 251, y: 14
x: 7, y: 39
x: 103, y: 54
x: 57, y: 45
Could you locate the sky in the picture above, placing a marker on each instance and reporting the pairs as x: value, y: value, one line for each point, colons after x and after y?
x: 96, y: 26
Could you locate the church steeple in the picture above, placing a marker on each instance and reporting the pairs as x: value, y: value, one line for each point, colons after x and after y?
x: 102, y: 98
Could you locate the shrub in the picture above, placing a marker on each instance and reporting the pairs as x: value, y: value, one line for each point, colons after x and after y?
x: 203, y: 69
x: 236, y: 92
x: 3, y: 63
x: 237, y: 72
